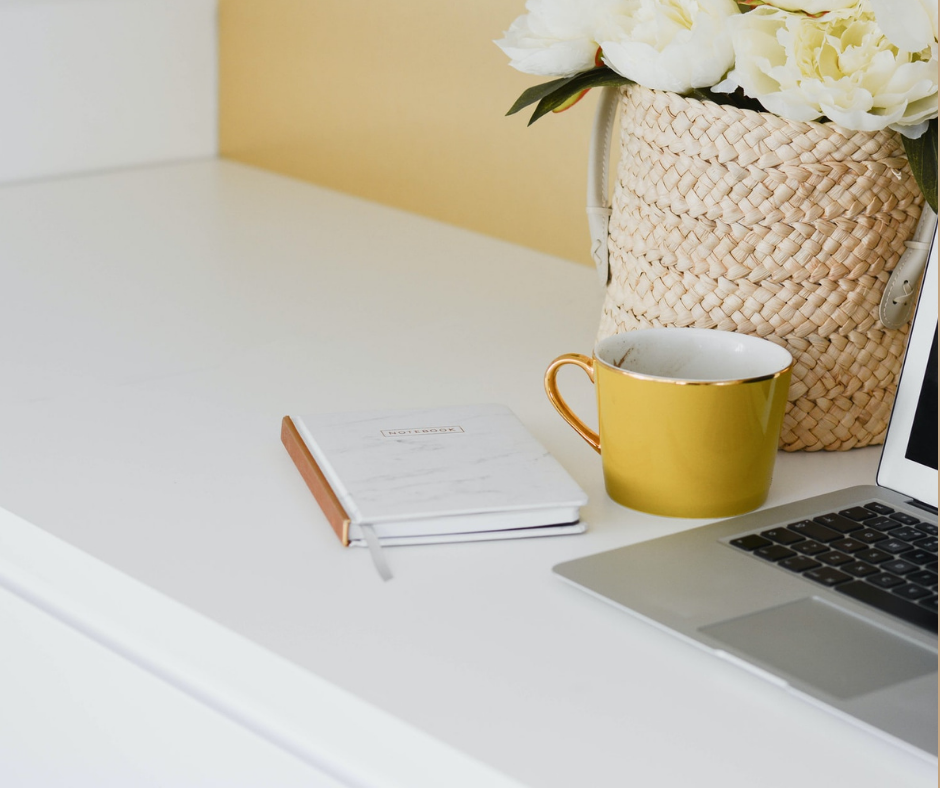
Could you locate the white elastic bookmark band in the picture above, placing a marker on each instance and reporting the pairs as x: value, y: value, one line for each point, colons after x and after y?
x: 375, y: 550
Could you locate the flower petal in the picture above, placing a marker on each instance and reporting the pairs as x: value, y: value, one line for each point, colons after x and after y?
x: 910, y: 25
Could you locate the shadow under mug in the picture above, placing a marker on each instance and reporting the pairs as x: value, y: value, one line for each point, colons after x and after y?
x: 688, y: 418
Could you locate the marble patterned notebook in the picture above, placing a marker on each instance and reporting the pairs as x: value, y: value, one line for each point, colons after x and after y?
x: 448, y: 474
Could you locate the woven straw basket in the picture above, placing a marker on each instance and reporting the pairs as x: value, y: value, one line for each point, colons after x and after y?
x: 743, y: 221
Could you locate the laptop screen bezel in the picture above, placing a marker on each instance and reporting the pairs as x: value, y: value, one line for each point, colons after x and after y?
x: 896, y: 471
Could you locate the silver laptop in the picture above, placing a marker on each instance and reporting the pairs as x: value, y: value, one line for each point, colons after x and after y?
x: 835, y: 596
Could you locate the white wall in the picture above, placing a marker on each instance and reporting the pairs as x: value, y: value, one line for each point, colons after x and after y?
x: 93, y: 84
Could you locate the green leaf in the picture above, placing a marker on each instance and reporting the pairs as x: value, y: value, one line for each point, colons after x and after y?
x: 735, y: 99
x: 537, y: 93
x: 595, y: 78
x: 922, y: 156
x: 556, y: 94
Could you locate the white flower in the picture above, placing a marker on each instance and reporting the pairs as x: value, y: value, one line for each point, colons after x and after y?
x: 909, y: 24
x: 670, y: 44
x: 812, y: 6
x: 556, y: 37
x: 839, y: 65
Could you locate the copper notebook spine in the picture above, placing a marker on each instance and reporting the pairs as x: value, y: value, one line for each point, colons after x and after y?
x: 316, y: 481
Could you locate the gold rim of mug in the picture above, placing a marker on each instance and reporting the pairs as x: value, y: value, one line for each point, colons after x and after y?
x: 681, y: 382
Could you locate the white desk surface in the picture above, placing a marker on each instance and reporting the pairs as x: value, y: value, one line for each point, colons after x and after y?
x: 156, y: 324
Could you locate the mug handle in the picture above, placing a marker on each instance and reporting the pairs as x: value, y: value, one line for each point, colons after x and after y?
x: 551, y: 388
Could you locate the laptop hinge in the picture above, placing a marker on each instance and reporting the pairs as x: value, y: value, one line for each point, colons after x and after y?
x: 925, y: 506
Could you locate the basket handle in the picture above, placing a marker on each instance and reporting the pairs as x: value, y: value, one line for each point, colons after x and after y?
x: 598, y: 201
x: 899, y: 297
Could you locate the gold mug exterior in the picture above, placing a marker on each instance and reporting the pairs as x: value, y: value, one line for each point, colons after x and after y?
x: 680, y: 446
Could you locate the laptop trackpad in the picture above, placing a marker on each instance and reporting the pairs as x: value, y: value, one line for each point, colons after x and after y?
x: 815, y: 642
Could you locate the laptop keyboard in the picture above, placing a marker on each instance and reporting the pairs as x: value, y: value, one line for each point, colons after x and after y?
x: 871, y: 553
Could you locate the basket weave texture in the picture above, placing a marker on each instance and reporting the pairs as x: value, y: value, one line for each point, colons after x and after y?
x: 743, y: 221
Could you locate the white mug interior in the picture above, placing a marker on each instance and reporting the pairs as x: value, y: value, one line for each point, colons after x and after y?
x: 693, y: 355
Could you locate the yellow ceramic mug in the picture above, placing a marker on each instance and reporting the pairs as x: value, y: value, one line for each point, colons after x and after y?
x: 689, y: 418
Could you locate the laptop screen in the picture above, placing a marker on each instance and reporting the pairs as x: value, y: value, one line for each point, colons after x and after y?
x: 909, y: 459
x: 922, y: 445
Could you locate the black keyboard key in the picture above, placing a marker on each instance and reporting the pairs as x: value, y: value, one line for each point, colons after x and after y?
x: 931, y: 566
x: 905, y: 519
x: 914, y: 613
x: 751, y: 542
x: 785, y: 535
x: 906, y: 533
x: 837, y: 522
x: 848, y: 545
x: 810, y: 547
x: 927, y: 543
x: 922, y: 578
x: 834, y: 558
x: 884, y: 580
x: 812, y: 530
x: 882, y: 523
x: 910, y: 591
x: 929, y: 602
x: 869, y: 535
x: 880, y: 508
x: 899, y: 566
x: 827, y: 576
x: 858, y: 513
x: 894, y: 546
x: 874, y: 556
x: 928, y: 528
x: 775, y: 552
x: 799, y: 563
x: 919, y: 556
x: 859, y: 569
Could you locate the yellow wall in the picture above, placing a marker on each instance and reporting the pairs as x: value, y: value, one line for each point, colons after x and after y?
x: 404, y: 103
